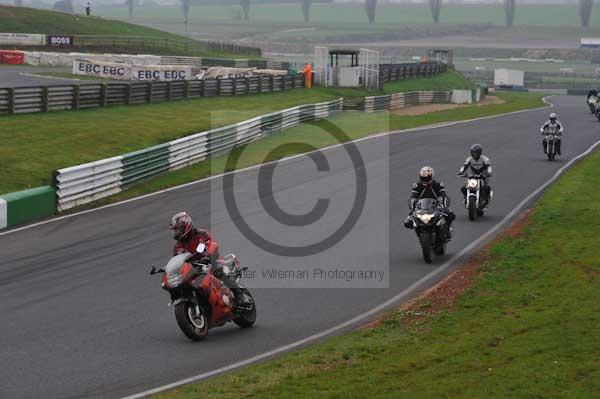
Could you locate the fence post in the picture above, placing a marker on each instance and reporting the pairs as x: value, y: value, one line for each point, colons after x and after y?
x: 203, y: 88
x: 11, y: 100
x: 218, y: 86
x: 260, y: 80
x: 45, y: 99
x: 103, y: 91
x: 234, y: 85
x: 293, y: 82
x: 128, y: 94
x: 186, y: 89
x: 150, y: 91
x: 75, y: 104
x: 272, y: 82
x: 169, y: 90
x: 247, y: 85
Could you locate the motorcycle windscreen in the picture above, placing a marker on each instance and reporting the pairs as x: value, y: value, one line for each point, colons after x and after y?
x: 173, y: 267
x: 427, y: 205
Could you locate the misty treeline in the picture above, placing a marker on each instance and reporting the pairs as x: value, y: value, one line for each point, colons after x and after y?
x: 584, y: 8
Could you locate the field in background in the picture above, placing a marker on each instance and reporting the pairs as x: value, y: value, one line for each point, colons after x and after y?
x: 348, y: 22
x: 30, y: 20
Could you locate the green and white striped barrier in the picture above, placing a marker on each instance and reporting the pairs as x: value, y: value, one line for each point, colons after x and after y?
x: 88, y: 182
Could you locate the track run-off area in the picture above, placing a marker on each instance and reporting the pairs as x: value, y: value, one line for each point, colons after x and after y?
x: 82, y: 319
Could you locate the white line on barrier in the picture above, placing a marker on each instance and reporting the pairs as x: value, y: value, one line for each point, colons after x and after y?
x: 420, y: 284
x: 3, y: 213
x: 370, y: 137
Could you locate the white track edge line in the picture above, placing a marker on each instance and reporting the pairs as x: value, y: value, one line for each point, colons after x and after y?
x: 370, y: 137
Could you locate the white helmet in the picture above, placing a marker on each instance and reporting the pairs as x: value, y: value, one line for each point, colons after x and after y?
x: 553, y: 117
x: 426, y: 174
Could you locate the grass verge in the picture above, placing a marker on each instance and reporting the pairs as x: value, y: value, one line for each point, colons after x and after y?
x: 35, y: 20
x: 354, y: 124
x: 59, y: 139
x: 526, y: 327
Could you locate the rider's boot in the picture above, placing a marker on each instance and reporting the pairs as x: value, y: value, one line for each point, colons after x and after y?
x: 545, y: 146
x: 558, y: 142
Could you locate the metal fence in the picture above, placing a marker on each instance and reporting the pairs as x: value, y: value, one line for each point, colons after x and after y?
x: 146, y: 42
x: 400, y: 100
x: 72, y: 97
x: 389, y: 72
x: 85, y: 183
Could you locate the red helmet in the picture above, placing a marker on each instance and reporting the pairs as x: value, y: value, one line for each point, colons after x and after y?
x: 181, y: 224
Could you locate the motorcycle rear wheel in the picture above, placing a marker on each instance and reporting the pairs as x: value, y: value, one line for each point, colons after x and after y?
x: 247, y: 318
x: 425, y: 241
x: 193, y: 326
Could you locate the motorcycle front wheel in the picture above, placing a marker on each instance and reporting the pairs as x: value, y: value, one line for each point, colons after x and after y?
x: 472, y: 208
x: 247, y: 317
x: 193, y: 325
x: 425, y: 241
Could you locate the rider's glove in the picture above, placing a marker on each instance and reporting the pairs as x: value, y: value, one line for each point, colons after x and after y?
x: 408, y: 223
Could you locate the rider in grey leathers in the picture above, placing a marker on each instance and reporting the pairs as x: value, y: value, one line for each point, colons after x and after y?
x: 477, y: 165
x: 554, y: 126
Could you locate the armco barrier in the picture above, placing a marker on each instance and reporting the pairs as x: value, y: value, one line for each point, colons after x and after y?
x: 400, y: 100
x: 25, y: 206
x: 19, y: 100
x: 85, y: 183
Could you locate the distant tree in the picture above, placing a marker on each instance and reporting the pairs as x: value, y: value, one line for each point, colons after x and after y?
x: 306, y: 9
x: 245, y: 8
x: 509, y: 10
x: 436, y: 6
x: 130, y: 4
x: 370, y: 6
x: 585, y: 12
x: 185, y: 7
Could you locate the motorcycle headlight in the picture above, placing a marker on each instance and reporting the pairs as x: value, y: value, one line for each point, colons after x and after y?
x: 425, y: 217
x: 472, y: 183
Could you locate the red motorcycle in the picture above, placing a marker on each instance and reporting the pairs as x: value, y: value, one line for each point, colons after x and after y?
x: 201, y: 297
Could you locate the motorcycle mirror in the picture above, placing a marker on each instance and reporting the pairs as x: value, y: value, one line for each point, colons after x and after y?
x: 153, y: 270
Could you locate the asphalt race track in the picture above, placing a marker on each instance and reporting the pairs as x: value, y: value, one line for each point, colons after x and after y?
x: 18, y: 76
x: 82, y: 319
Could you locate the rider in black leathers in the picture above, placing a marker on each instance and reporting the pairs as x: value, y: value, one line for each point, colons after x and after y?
x: 427, y: 187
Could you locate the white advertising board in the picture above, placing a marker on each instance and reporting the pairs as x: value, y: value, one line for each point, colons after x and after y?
x: 24, y: 39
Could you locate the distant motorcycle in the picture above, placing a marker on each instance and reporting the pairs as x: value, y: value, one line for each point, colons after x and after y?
x: 201, y: 300
x: 550, y: 140
x: 431, y: 228
x: 592, y: 104
x: 475, y: 203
